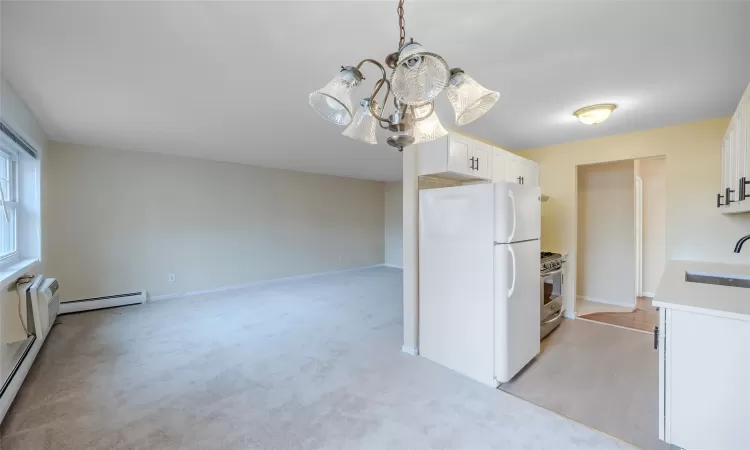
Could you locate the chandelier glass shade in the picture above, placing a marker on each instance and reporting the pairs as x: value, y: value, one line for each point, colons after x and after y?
x: 419, y: 76
x: 334, y: 101
x: 363, y: 125
x: 470, y: 100
x: 417, y: 79
x: 427, y: 125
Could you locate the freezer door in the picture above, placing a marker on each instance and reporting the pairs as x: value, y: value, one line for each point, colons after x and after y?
x: 453, y: 214
x: 517, y: 307
x: 518, y: 213
x: 456, y: 279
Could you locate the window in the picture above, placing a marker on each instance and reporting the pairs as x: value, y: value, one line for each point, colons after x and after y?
x: 8, y: 202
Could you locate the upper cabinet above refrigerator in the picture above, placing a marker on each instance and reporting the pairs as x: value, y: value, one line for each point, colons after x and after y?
x: 512, y: 168
x: 734, y: 192
x: 459, y: 157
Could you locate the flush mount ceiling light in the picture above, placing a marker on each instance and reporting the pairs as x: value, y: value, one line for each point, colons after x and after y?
x: 595, y: 114
x: 417, y: 78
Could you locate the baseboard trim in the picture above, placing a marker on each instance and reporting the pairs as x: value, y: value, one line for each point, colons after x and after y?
x: 100, y: 303
x: 606, y: 302
x: 648, y: 294
x: 393, y: 266
x: 232, y: 287
x: 410, y: 350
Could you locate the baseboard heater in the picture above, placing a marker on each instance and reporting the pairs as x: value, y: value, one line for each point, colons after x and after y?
x: 109, y: 301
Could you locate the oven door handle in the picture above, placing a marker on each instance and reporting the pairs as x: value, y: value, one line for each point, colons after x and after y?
x: 554, y: 272
x: 554, y: 318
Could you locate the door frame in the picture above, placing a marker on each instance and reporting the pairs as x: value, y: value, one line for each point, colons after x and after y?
x: 638, y: 193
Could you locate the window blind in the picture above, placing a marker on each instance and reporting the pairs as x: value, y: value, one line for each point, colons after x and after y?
x: 25, y: 146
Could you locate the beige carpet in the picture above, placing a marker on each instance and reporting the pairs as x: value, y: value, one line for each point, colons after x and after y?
x: 313, y: 363
x: 600, y: 375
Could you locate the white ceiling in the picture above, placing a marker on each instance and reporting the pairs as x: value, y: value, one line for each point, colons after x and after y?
x: 229, y: 80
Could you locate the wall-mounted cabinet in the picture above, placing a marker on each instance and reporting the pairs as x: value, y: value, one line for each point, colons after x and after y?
x: 459, y: 157
x: 734, y: 194
x: 515, y: 169
x: 455, y: 157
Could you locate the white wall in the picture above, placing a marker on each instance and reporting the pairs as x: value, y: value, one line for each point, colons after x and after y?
x: 695, y: 229
x: 653, y: 174
x: 606, y: 233
x: 19, y: 117
x: 411, y: 249
x: 394, y: 226
x: 121, y: 221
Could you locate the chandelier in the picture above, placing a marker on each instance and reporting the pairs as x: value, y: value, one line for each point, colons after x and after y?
x: 416, y: 79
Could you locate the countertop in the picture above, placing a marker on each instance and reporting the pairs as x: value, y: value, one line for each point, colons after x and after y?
x: 723, y: 301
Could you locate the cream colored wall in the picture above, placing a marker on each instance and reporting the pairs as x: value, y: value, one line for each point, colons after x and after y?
x: 695, y: 230
x: 121, y: 221
x: 654, y: 221
x: 394, y: 225
x: 606, y: 233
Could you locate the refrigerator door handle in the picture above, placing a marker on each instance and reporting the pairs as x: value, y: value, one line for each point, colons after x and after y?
x: 513, y: 206
x: 513, y: 282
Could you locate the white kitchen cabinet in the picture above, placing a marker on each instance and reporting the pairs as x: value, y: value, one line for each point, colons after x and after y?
x: 520, y: 170
x: 704, y: 368
x: 500, y: 160
x: 531, y: 176
x: 507, y: 166
x: 734, y: 194
x: 452, y: 156
x: 459, y: 157
x: 482, y: 154
x: 514, y: 169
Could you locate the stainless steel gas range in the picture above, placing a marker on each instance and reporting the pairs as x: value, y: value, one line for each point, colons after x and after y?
x: 552, y: 279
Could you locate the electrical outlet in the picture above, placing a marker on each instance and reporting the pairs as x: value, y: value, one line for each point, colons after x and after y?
x: 171, y: 277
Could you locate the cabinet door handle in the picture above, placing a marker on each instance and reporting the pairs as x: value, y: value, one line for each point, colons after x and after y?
x: 719, y: 201
x: 743, y: 189
x: 728, y: 197
x: 519, y: 180
x: 656, y: 338
x: 472, y: 163
x: 477, y: 163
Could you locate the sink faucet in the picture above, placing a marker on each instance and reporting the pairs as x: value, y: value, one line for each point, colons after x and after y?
x: 738, y: 247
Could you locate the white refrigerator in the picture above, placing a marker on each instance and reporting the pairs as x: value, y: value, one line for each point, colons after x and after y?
x: 479, y: 285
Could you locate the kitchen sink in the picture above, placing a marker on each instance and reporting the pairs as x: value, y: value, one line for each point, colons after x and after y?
x: 719, y: 280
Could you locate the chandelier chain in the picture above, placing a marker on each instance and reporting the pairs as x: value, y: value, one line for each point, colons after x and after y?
x: 401, y: 24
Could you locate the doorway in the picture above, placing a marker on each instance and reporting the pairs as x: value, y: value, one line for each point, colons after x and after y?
x: 601, y: 369
x: 621, y: 235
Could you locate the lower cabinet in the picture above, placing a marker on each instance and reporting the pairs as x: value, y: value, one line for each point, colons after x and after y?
x: 704, y: 380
